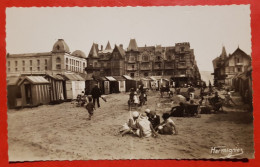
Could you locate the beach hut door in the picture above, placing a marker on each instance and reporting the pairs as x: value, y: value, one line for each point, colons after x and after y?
x: 69, y: 90
x: 106, y: 87
x: 28, y: 93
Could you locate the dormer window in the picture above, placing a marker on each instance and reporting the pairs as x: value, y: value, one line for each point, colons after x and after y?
x: 58, y: 47
x: 58, y: 60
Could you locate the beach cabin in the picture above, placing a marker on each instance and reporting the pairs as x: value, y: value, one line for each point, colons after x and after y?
x: 113, y: 84
x: 74, y: 85
x: 146, y: 82
x: 13, y: 92
x: 121, y: 83
x: 57, y: 88
x: 130, y: 83
x: 103, y: 84
x: 34, y: 91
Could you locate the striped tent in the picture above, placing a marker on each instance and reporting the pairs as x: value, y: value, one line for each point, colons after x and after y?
x: 56, y: 87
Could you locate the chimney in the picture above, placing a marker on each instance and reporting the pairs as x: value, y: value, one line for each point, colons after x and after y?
x: 121, y: 46
x: 101, y: 47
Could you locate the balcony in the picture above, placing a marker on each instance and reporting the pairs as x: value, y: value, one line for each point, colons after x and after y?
x: 182, y: 66
x: 145, y: 68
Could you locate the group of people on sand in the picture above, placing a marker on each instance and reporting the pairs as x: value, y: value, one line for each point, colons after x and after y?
x: 148, y: 124
x: 136, y: 99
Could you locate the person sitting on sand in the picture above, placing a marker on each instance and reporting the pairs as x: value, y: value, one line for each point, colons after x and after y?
x: 167, y: 127
x: 145, y: 128
x: 154, y: 119
x: 131, y: 125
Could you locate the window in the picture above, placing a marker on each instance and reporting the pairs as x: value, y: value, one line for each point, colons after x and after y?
x: 182, y: 49
x: 38, y: 68
x: 133, y: 66
x: 8, y: 69
x: 158, y: 58
x: 8, y: 63
x: 239, y: 69
x: 23, y: 63
x: 67, y: 60
x: 45, y: 67
x: 30, y: 62
x: 95, y: 64
x: 159, y: 65
x: 46, y: 61
x: 58, y: 60
x: 38, y: 62
x: 30, y: 68
x: 132, y: 74
x: 67, y: 68
x: 146, y: 74
x: 132, y: 58
x: 83, y: 65
x: 16, y: 63
x: 145, y: 58
x: 58, y: 67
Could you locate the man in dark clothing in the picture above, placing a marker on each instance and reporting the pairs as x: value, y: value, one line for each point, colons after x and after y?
x: 96, y: 93
x: 154, y: 119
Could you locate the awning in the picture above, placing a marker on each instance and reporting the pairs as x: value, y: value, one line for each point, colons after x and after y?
x: 100, y: 78
x: 127, y: 77
x: 110, y: 78
x: 119, y: 78
x: 56, y: 77
x: 73, y: 77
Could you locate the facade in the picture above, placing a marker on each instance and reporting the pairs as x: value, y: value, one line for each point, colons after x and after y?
x: 58, y: 61
x: 226, y: 67
x: 176, y: 62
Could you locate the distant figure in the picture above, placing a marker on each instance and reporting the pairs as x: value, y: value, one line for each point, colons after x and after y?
x: 90, y: 107
x: 96, y: 93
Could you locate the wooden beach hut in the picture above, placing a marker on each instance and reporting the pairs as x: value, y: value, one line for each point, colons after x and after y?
x: 121, y: 83
x: 13, y: 92
x: 74, y: 85
x: 34, y: 91
x: 113, y: 84
x: 130, y: 83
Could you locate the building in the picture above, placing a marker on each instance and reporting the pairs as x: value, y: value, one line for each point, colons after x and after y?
x: 175, y: 62
x: 226, y: 67
x: 59, y: 61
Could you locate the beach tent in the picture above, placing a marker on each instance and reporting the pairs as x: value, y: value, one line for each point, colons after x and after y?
x: 34, y: 91
x: 121, y: 83
x: 75, y: 84
x: 57, y: 87
x: 13, y: 92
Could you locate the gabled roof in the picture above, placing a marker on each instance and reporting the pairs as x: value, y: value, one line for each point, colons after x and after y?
x: 108, y: 47
x: 93, y: 53
x: 120, y: 50
x: 12, y: 80
x: 34, y: 80
x: 239, y: 51
x: 132, y: 45
x: 146, y: 48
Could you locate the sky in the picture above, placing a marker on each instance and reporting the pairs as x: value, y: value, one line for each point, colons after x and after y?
x: 207, y: 28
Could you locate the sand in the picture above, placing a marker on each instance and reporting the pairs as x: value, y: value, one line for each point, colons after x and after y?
x: 62, y: 132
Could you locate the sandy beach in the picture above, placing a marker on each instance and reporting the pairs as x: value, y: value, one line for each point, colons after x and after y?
x: 63, y: 132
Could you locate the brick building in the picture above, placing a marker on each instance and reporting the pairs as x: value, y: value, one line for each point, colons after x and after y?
x: 176, y: 62
x: 226, y: 67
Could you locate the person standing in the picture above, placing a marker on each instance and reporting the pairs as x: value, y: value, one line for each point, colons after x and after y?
x: 96, y: 94
x: 90, y: 107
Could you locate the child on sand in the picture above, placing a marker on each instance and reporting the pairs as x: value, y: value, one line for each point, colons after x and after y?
x: 90, y: 107
x: 130, y: 126
x: 167, y: 127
